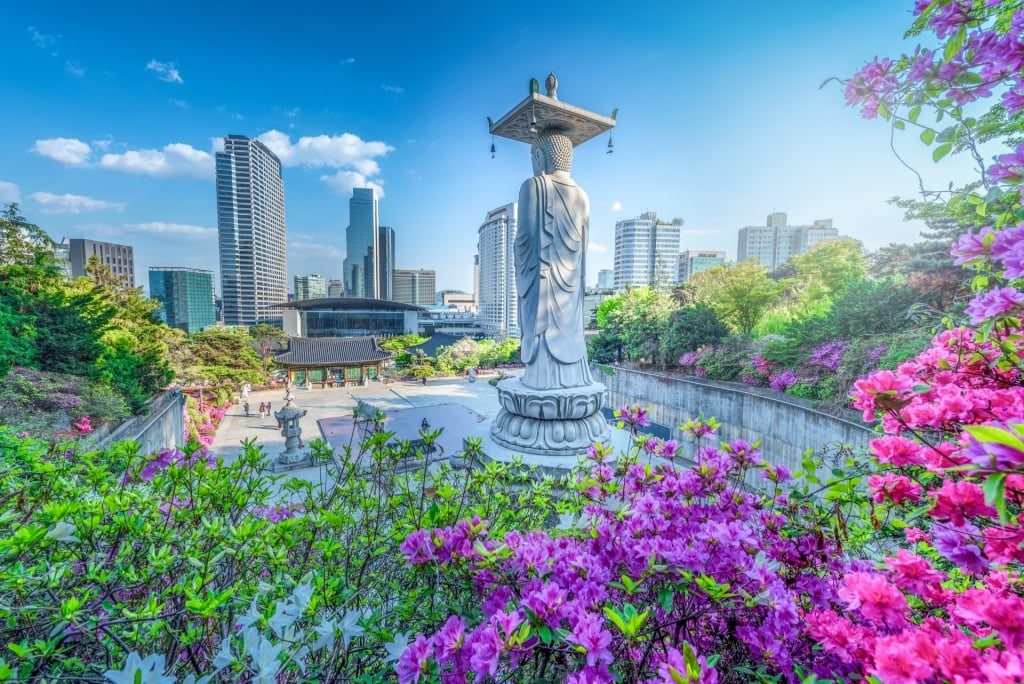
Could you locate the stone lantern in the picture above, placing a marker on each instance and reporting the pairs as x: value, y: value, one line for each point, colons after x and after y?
x: 294, y: 456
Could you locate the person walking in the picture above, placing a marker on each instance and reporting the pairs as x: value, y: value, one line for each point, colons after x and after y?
x: 263, y: 408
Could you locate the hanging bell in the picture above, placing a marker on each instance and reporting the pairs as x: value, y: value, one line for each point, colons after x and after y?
x: 611, y: 146
x: 492, y: 150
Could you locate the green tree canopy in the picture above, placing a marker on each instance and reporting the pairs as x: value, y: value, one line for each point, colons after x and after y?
x: 739, y: 293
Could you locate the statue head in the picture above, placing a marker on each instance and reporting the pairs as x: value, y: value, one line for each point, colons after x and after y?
x: 552, y: 151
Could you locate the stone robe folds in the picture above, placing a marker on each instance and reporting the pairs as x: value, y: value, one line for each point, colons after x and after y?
x: 550, y: 251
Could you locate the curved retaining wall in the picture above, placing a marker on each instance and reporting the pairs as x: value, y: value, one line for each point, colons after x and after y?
x: 786, y: 426
x: 162, y: 425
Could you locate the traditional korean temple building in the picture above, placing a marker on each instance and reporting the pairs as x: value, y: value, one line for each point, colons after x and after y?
x: 333, y: 361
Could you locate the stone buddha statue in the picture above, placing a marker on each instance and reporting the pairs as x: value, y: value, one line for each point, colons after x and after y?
x: 550, y: 254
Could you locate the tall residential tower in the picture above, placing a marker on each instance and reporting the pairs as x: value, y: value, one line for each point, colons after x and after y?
x: 498, y: 297
x: 251, y: 232
x: 646, y: 251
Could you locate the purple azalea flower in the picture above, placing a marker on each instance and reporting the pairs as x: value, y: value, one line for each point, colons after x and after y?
x: 994, y: 303
x: 971, y: 246
x: 961, y: 546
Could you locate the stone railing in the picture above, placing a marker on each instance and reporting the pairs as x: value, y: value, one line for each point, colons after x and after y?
x: 163, y: 424
x: 787, y: 427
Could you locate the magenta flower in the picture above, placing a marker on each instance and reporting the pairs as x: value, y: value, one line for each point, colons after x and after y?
x: 1008, y: 247
x: 592, y: 638
x: 1008, y: 167
x: 875, y: 596
x: 414, y: 661
x: 972, y: 245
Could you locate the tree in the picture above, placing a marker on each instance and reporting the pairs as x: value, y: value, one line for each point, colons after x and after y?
x: 740, y: 293
x: 265, y: 336
x: 831, y: 267
x: 637, y: 317
x: 23, y: 243
x: 688, y: 329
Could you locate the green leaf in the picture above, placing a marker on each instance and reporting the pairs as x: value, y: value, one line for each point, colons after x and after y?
x: 927, y: 136
x: 991, y: 434
x: 898, y: 124
x: 914, y: 112
x: 941, y: 151
x: 995, y: 494
x: 955, y: 43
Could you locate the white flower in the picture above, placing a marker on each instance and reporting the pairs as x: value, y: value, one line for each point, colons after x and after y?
x: 266, y: 662
x: 349, y: 626
x: 285, y: 615
x: 224, y: 656
x: 302, y: 594
x: 148, y: 671
x: 396, y: 647
x: 252, y: 616
x: 63, y: 532
x: 566, y: 521
x: 326, y: 631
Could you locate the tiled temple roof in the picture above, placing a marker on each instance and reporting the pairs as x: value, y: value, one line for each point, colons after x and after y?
x: 326, y: 351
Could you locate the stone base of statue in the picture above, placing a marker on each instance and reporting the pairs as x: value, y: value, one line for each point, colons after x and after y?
x: 552, y: 422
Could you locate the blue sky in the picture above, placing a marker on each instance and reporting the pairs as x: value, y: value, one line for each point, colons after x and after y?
x: 112, y: 110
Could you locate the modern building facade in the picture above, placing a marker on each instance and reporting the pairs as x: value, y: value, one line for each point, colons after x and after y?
x: 385, y: 262
x: 310, y: 286
x: 694, y: 261
x: 362, y: 245
x: 498, y: 300
x: 77, y: 252
x: 605, y: 279
x: 772, y: 244
x: 646, y: 251
x: 251, y: 232
x: 335, y: 288
x: 185, y: 296
x: 349, y: 317
x: 417, y: 287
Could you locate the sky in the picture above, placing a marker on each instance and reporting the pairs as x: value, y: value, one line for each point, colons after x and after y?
x: 112, y: 112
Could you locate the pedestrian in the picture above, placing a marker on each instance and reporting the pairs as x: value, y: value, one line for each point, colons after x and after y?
x: 245, y: 405
x: 263, y: 409
x: 268, y: 409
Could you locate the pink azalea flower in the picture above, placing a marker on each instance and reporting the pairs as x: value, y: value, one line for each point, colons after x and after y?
x: 591, y: 636
x: 898, y: 659
x: 875, y: 596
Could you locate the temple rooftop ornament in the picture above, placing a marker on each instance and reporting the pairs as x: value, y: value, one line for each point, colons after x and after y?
x: 538, y: 113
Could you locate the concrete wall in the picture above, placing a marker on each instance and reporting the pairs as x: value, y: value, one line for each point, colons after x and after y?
x: 786, y: 426
x: 163, y: 424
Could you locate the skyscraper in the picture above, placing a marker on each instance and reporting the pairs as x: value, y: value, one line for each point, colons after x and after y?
x: 185, y: 296
x: 385, y: 263
x: 310, y: 286
x: 362, y: 245
x: 605, y: 279
x: 251, y: 232
x: 498, y: 297
x: 646, y: 251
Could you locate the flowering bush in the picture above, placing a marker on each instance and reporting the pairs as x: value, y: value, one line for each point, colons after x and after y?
x: 656, y: 562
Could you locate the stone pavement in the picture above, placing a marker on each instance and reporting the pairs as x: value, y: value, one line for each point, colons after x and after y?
x: 329, y: 411
x: 462, y: 408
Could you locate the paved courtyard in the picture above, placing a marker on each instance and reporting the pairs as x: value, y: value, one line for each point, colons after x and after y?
x: 459, y: 406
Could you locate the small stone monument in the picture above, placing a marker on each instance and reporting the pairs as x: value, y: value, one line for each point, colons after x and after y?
x: 293, y: 457
x: 555, y: 407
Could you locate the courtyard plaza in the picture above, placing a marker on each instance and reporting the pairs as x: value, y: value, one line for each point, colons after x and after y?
x: 457, y: 405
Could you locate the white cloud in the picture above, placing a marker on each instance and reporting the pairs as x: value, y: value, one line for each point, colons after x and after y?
x: 349, y: 60
x: 306, y: 247
x: 597, y: 247
x: 165, y: 71
x: 102, y: 144
x: 69, y: 151
x: 72, y: 204
x: 392, y: 88
x: 616, y: 206
x: 343, y: 182
x: 175, y: 159
x: 73, y: 68
x: 177, y: 102
x: 42, y: 40
x: 324, y: 150
x: 9, y: 192
x: 180, y: 229
x: 292, y: 113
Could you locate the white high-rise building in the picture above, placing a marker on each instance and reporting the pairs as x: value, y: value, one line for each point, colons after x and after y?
x: 362, y: 245
x: 605, y: 279
x: 251, y: 232
x: 310, y: 286
x: 646, y: 251
x: 335, y: 288
x: 497, y: 295
x: 772, y: 244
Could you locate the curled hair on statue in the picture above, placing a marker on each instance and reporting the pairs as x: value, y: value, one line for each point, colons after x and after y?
x: 557, y: 149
